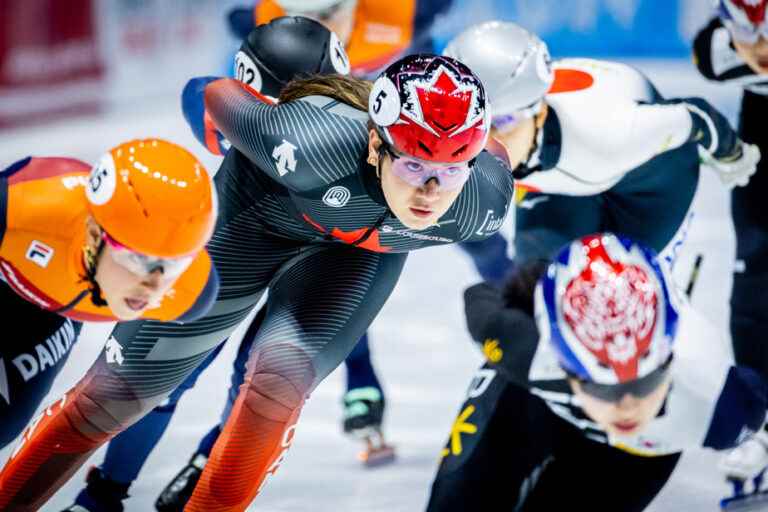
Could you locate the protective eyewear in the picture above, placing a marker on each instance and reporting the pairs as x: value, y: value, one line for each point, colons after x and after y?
x: 143, y: 265
x: 639, y: 388
x: 417, y: 172
x: 506, y: 122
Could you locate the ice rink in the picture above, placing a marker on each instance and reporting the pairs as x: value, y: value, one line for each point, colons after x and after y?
x: 420, y: 347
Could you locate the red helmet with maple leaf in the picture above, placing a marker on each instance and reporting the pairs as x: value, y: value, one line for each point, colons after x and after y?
x: 431, y: 107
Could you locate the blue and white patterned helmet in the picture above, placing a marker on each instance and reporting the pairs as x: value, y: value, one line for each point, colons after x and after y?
x: 605, y: 307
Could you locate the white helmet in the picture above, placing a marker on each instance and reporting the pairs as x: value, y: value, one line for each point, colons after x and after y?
x: 308, y: 6
x: 513, y: 64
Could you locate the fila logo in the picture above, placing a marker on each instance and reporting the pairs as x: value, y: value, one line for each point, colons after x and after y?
x: 39, y: 253
x: 337, y: 197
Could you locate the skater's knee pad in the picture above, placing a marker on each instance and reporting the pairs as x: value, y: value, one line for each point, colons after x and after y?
x: 278, y: 381
x: 94, y: 419
x: 104, y: 404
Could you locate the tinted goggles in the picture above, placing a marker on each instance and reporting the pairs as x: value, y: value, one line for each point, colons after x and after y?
x: 417, y: 172
x: 507, y: 122
x: 143, y: 265
x: 639, y: 388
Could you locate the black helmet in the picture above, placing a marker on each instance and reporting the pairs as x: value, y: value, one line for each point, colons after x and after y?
x: 275, y: 53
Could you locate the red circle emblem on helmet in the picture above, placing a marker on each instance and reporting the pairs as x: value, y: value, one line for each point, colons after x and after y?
x: 431, y: 107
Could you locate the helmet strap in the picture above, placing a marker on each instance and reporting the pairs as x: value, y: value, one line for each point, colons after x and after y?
x: 523, y: 170
x: 383, y: 150
x: 91, y: 257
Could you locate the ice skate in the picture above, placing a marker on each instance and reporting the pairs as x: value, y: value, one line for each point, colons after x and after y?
x: 177, y: 493
x: 363, y: 414
x: 100, y: 494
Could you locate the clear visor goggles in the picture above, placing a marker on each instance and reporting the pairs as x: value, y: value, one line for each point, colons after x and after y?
x: 143, y: 265
x: 506, y: 122
x: 639, y: 388
x: 417, y: 173
x: 746, y: 33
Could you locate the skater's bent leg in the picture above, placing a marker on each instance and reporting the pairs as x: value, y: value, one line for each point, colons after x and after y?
x: 318, y: 307
x: 131, y: 376
x: 236, y: 380
x: 239, y: 369
x: 749, y: 303
x: 127, y: 453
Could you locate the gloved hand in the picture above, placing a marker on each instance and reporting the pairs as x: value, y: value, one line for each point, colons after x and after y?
x: 748, y: 459
x: 734, y: 170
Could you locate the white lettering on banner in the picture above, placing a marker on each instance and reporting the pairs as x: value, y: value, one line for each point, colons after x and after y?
x: 381, y: 33
x: 547, y: 15
x: 285, y: 443
x: 40, y: 63
x: 285, y: 158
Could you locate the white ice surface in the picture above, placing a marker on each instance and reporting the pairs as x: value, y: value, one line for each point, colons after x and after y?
x: 420, y: 347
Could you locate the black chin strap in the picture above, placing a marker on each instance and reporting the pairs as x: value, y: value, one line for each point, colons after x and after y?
x: 523, y: 170
x: 90, y: 277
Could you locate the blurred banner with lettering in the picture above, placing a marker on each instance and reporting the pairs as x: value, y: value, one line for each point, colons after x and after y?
x: 50, y: 60
x: 604, y: 28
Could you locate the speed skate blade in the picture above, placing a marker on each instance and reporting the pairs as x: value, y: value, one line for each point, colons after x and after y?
x: 746, y: 502
x: 374, y: 457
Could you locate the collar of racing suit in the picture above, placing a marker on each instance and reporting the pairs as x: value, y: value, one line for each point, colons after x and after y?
x: 545, y: 152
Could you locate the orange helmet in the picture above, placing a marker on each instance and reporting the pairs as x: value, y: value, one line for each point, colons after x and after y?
x: 154, y: 197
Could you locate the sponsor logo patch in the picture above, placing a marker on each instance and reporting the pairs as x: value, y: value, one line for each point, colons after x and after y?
x: 39, y: 253
x: 285, y: 158
x: 337, y: 197
x: 113, y: 351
